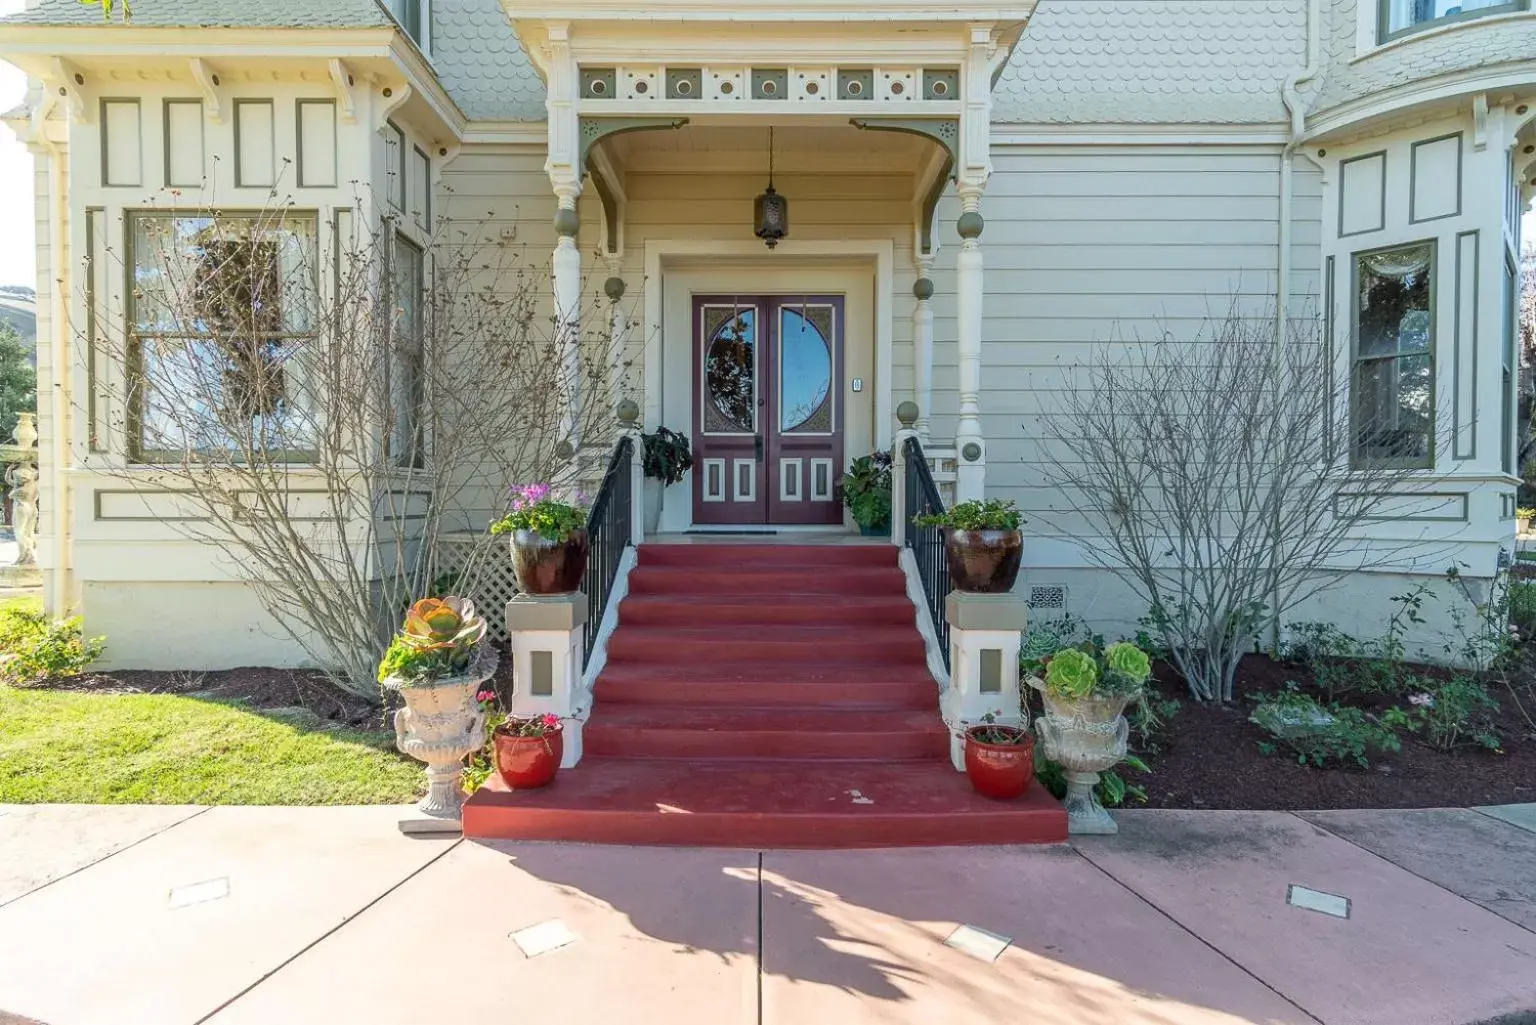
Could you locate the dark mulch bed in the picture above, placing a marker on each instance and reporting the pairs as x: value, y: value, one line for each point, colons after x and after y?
x: 1210, y: 758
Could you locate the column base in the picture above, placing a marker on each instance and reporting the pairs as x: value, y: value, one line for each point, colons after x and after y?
x: 1085, y: 815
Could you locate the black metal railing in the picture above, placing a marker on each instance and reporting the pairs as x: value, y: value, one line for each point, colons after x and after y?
x: 609, y: 526
x: 927, y: 543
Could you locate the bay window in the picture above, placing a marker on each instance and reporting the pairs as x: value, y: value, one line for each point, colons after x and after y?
x: 222, y: 317
x: 1400, y: 17
x: 1392, y: 385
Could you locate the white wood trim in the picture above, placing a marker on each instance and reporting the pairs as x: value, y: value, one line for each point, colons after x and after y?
x: 810, y: 483
x: 705, y: 465
x: 796, y: 464
x: 749, y: 493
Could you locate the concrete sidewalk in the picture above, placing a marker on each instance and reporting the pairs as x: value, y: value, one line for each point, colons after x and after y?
x: 304, y: 916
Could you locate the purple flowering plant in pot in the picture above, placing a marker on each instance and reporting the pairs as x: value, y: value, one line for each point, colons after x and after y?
x: 549, y: 540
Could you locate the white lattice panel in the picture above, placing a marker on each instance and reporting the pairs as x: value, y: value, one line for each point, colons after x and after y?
x: 491, y: 583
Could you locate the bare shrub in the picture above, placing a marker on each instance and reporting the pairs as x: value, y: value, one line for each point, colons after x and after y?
x: 327, y: 401
x: 1219, y: 481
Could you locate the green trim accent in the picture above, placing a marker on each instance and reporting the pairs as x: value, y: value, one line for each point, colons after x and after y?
x: 599, y: 83
x: 969, y: 225
x: 240, y: 182
x: 610, y: 210
x: 855, y: 83
x: 1459, y: 495
x: 93, y: 436
x: 778, y: 78
x: 685, y: 83
x: 595, y: 129
x: 399, y: 141
x: 426, y: 193
x: 1428, y: 463
x: 945, y: 131
x: 165, y: 139
x: 1413, y: 178
x: 1381, y: 219
x: 298, y: 143
x: 941, y: 84
x: 1384, y: 33
x: 1330, y: 355
x: 1456, y: 341
x: 106, y: 142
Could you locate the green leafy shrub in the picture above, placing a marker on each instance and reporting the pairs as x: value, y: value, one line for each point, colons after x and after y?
x: 1113, y: 789
x: 1522, y: 607
x: 978, y: 514
x: 36, y: 650
x: 1341, y: 664
x: 867, y: 490
x: 1321, y: 735
x: 1149, y: 722
x: 667, y: 455
x: 1457, y: 712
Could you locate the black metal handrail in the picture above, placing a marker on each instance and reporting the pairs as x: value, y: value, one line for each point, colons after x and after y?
x: 927, y: 543
x: 609, y: 532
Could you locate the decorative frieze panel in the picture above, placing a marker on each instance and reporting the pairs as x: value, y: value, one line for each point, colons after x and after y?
x: 805, y: 85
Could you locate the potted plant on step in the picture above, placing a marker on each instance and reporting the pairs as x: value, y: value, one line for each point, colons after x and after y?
x: 867, y: 493
x: 983, y: 542
x: 549, y: 540
x: 666, y: 457
x: 437, y: 662
x: 1523, y: 519
x: 1085, y: 692
x: 528, y: 751
x: 999, y: 759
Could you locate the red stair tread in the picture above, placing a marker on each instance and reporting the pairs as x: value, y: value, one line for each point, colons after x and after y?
x: 811, y: 557
x: 762, y: 804
x: 853, y: 610
x: 809, y: 735
x: 773, y: 720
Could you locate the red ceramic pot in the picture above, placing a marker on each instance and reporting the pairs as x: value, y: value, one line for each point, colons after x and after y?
x: 526, y: 763
x: 1000, y: 771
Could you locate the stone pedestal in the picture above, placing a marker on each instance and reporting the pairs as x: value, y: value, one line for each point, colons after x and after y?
x: 547, y: 657
x: 440, y: 724
x: 984, y: 639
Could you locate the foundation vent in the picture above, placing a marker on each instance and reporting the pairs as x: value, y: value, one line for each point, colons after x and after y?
x: 1051, y: 597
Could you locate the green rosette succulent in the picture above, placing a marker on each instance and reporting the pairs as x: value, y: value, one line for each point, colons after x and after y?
x: 1128, y: 660
x: 1071, y: 674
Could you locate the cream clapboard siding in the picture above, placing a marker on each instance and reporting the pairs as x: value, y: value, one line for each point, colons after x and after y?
x: 1094, y: 246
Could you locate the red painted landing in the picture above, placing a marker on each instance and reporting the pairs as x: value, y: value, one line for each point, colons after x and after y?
x: 765, y: 696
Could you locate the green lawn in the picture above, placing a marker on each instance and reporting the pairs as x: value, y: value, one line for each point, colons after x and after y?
x: 60, y: 746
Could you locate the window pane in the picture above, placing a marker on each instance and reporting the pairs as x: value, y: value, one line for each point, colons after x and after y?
x: 1403, y: 14
x: 1511, y: 318
x: 223, y: 310
x: 1394, y: 306
x: 1394, y: 409
x: 405, y: 375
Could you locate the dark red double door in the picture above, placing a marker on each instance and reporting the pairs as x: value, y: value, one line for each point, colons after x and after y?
x: 768, y: 417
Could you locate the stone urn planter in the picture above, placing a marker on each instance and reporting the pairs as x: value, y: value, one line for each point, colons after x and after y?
x: 440, y: 724
x: 1085, y: 736
x: 528, y: 762
x: 543, y: 566
x: 984, y: 561
x: 1002, y: 771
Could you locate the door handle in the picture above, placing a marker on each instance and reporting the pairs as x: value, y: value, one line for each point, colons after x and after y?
x: 757, y: 444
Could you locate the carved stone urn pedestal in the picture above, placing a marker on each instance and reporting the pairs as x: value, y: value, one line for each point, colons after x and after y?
x: 1085, y: 737
x: 440, y: 724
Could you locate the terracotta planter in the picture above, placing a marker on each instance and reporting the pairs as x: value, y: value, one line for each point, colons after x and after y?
x: 999, y: 771
x: 984, y: 561
x: 526, y: 763
x: 543, y: 566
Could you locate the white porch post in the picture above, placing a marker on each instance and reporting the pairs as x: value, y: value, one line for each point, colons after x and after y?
x: 908, y: 414
x: 618, y: 335
x: 565, y: 171
x: 922, y: 343
x: 975, y: 167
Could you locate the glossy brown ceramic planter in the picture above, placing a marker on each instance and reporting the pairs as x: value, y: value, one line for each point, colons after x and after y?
x: 526, y: 763
x: 984, y: 561
x: 543, y: 566
x: 1000, y: 771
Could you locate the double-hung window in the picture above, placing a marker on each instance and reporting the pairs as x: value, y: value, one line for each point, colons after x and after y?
x: 407, y: 353
x: 1392, y: 389
x: 413, y: 16
x: 222, y: 315
x: 1400, y: 17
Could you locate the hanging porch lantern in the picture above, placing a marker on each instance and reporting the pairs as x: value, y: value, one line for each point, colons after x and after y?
x: 770, y: 211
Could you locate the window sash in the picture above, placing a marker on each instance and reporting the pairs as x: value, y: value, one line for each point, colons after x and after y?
x: 406, y: 443
x: 1366, y: 370
x: 1386, y: 9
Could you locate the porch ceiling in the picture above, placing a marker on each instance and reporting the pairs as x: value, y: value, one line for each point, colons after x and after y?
x: 835, y: 148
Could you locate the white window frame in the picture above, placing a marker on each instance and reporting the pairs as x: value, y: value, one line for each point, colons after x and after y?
x: 1386, y: 34
x: 422, y: 37
x: 1357, y: 459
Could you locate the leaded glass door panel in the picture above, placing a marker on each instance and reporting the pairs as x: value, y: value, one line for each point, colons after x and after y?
x: 767, y: 430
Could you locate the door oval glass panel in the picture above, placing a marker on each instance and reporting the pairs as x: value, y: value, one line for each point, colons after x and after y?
x: 805, y: 370
x: 730, y: 371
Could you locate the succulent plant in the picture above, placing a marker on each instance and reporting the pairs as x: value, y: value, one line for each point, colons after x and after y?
x: 447, y: 628
x: 1128, y: 660
x: 1072, y: 673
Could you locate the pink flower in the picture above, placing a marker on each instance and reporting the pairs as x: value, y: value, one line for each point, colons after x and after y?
x: 550, y: 720
x: 485, y: 695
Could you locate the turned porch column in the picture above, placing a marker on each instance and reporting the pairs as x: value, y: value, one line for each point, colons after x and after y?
x: 564, y: 167
x: 922, y: 343
x: 971, y: 466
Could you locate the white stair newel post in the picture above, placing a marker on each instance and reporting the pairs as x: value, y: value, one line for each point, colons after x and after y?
x: 630, y: 427
x: 908, y: 414
x: 546, y: 634
x: 985, y: 634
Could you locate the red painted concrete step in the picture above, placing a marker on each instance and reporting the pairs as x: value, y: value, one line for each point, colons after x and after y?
x: 762, y: 804
x: 750, y: 581
x: 714, y: 733
x: 872, y: 645
x: 825, y: 685
x: 852, y: 610
x: 814, y: 558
